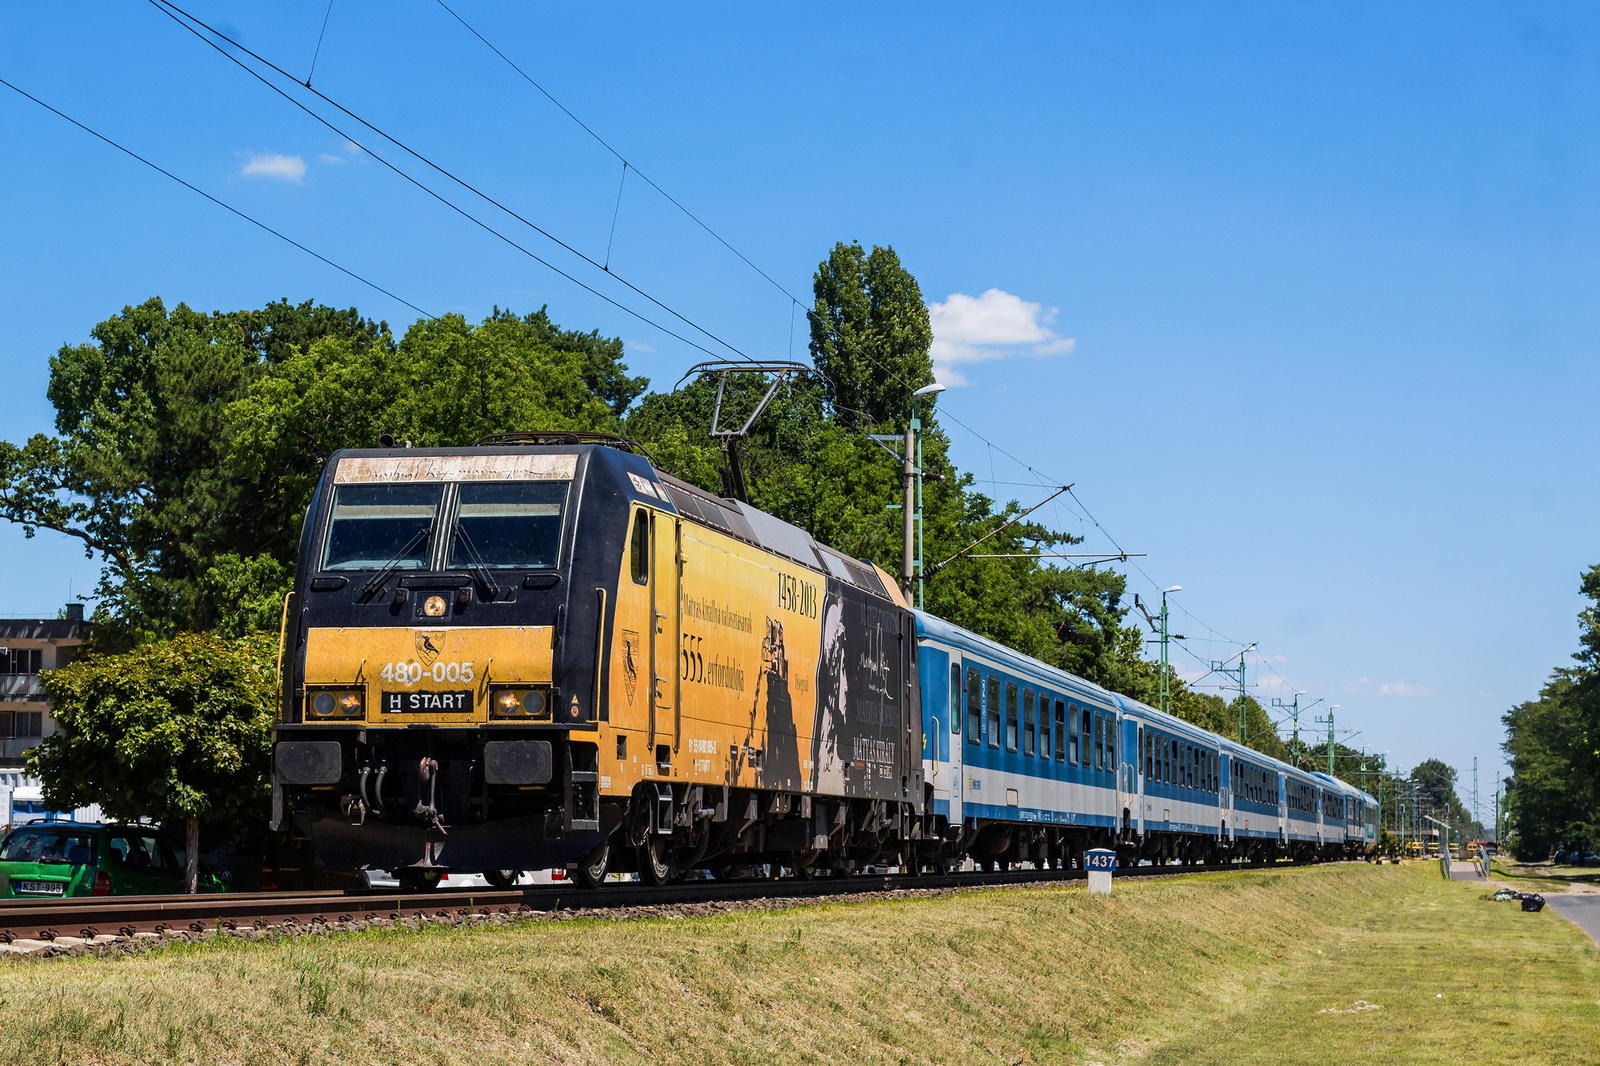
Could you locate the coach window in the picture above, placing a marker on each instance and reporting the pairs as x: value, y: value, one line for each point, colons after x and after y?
x: 974, y: 706
x: 955, y: 698
x: 1072, y: 734
x: 994, y: 711
x: 1027, y: 721
x: 1044, y: 726
x: 640, y: 557
x: 1149, y: 756
x: 1111, y: 743
x: 1061, y: 731
x: 1011, y: 716
x: 1099, y: 742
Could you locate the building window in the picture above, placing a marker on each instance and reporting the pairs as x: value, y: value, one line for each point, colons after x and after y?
x: 974, y: 706
x: 21, y: 660
x: 28, y: 723
x: 1011, y: 716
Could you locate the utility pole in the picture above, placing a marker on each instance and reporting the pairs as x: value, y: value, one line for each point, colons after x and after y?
x: 1165, y: 670
x: 1330, y: 741
x: 1476, y: 817
x: 1294, y: 716
x: 1158, y: 623
x: 1224, y: 668
x: 909, y: 510
x: 1496, y: 807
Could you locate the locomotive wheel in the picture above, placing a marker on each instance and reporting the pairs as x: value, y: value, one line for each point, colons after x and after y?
x: 501, y: 878
x: 655, y: 861
x: 591, y: 870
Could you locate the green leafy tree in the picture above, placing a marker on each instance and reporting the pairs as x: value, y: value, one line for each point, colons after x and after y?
x: 137, y: 469
x: 177, y: 730
x: 188, y: 445
x: 870, y: 334
x: 1553, y: 797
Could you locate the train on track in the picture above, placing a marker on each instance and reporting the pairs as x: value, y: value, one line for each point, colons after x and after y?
x: 542, y: 651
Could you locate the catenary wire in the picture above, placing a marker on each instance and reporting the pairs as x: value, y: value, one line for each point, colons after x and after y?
x: 174, y: 12
x: 606, y: 145
x: 226, y: 207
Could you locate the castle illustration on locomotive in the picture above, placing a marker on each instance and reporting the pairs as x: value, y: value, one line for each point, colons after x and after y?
x: 542, y: 651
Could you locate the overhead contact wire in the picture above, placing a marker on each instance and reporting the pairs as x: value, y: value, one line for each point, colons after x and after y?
x: 606, y: 145
x: 168, y: 8
x: 226, y: 207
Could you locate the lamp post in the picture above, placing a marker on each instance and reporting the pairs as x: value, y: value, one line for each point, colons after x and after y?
x: 1165, y: 685
x: 913, y: 500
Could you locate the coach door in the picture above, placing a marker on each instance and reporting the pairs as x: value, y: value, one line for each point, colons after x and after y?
x: 666, y: 711
x: 1138, y: 777
x: 952, y: 738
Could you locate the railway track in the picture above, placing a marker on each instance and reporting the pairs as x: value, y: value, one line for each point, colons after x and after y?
x: 88, y: 919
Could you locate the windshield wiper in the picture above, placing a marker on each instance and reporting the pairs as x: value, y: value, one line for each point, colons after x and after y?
x: 480, y: 569
x: 381, y: 578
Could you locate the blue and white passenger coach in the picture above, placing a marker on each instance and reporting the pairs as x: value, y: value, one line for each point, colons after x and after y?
x: 1024, y: 762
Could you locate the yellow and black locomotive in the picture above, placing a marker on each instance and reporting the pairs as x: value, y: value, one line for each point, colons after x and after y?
x: 541, y: 651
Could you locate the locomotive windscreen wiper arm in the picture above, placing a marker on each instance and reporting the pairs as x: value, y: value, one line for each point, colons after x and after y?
x: 479, y: 568
x: 378, y: 580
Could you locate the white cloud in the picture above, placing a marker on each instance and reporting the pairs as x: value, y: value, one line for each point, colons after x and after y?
x: 636, y: 346
x: 283, y: 167
x: 1360, y: 684
x: 969, y: 329
x: 1402, y: 687
x: 331, y: 160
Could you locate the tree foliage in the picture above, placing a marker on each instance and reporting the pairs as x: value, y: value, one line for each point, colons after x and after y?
x: 175, y: 729
x: 1553, y: 797
x: 870, y: 334
x: 188, y: 445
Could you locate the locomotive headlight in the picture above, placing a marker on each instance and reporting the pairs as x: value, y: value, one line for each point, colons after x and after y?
x: 525, y: 704
x: 434, y: 607
x: 332, y: 704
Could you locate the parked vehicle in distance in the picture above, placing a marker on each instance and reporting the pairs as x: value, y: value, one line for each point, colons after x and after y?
x: 58, y: 859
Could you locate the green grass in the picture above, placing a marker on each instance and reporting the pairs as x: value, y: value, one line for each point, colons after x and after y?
x: 1215, y: 969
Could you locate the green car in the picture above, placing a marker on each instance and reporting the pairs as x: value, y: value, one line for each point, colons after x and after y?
x: 54, y: 859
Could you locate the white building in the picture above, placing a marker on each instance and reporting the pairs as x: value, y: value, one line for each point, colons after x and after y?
x: 29, y: 647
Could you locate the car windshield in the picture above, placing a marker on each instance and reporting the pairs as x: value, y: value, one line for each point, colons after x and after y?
x: 374, y: 526
x: 52, y: 846
x: 508, y: 524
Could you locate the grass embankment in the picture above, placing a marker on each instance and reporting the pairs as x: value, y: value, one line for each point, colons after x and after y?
x: 1228, y: 968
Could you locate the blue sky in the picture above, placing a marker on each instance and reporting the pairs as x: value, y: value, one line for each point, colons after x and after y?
x: 1298, y: 296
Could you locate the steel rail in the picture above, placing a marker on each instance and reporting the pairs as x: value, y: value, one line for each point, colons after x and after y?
x: 87, y: 917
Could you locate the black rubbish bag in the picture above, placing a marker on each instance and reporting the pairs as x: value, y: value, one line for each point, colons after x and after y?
x: 1533, y: 902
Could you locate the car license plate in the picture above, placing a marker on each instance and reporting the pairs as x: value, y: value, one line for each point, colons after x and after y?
x: 40, y: 888
x: 427, y: 702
